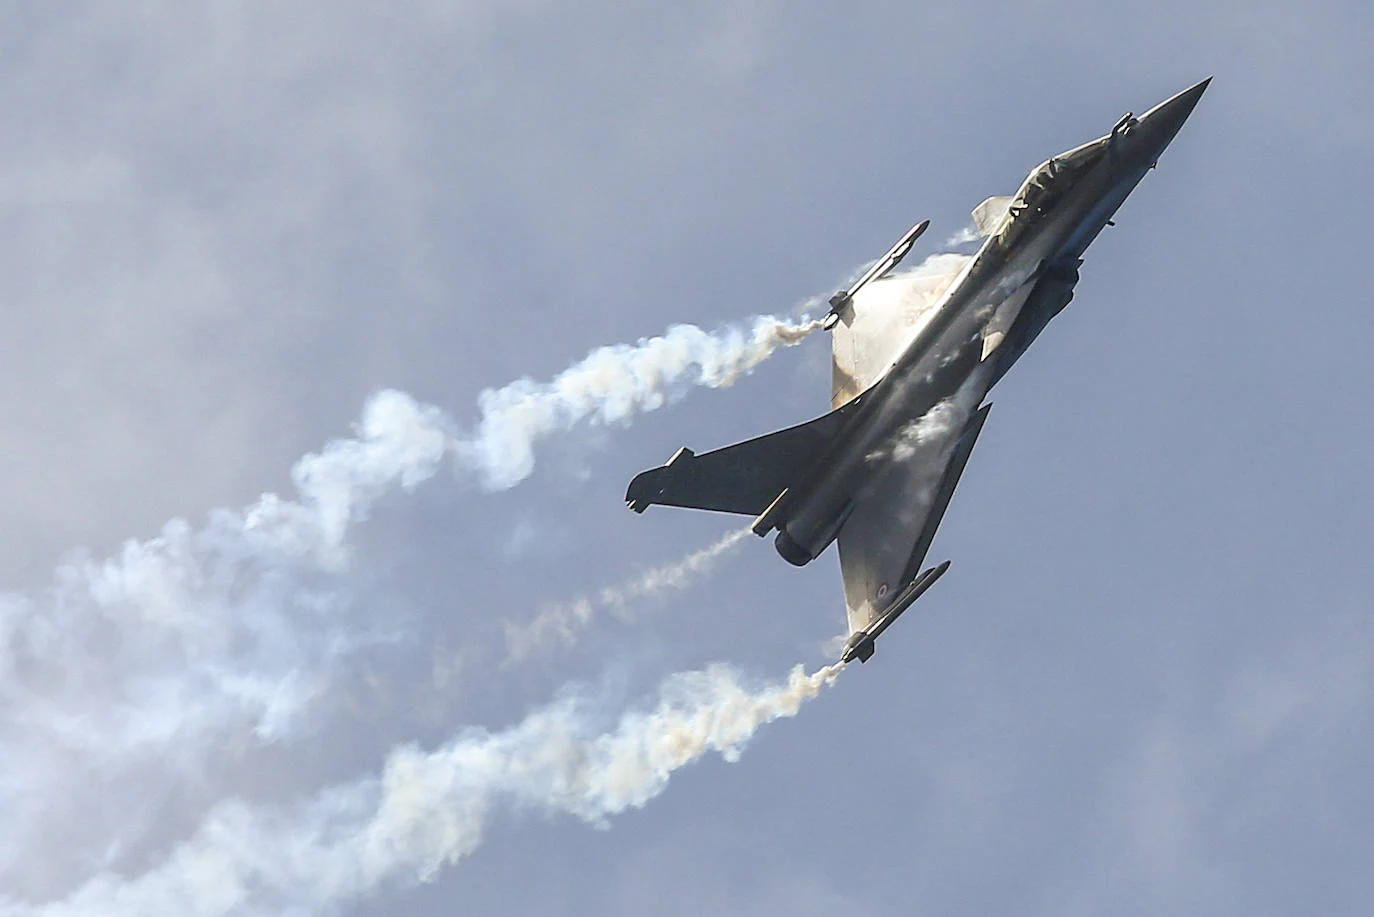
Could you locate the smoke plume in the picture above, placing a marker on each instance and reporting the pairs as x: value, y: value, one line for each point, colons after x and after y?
x: 561, y: 622
x: 429, y: 809
x: 240, y: 625
x: 184, y: 637
x: 611, y: 385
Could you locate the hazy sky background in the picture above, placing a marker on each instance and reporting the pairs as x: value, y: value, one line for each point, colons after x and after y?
x: 1144, y: 687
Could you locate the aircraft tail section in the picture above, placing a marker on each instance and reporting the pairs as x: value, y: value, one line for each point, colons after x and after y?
x: 744, y: 478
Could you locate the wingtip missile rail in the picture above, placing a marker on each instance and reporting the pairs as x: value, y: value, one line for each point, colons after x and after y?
x: 842, y: 300
x: 861, y: 643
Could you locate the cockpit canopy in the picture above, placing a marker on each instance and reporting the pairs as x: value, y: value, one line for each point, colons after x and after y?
x: 1047, y: 184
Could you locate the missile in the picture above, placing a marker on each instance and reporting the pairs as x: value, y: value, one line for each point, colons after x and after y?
x: 841, y: 300
x: 860, y: 645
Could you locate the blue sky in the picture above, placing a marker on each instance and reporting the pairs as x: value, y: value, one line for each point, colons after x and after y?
x: 1144, y: 685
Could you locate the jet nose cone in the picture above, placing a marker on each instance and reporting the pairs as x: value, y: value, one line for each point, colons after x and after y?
x: 1164, y: 120
x: 1182, y: 105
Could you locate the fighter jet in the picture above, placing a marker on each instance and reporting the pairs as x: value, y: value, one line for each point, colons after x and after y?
x: 876, y: 473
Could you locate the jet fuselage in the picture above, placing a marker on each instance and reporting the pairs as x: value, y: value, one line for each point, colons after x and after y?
x: 1022, y: 275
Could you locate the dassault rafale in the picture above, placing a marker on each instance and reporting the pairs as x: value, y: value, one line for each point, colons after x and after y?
x: 876, y: 473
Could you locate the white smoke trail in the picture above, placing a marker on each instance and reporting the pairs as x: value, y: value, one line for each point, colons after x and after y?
x: 560, y: 623
x: 428, y: 810
x: 242, y: 623
x: 611, y: 385
x: 191, y: 592
x: 657, y: 580
x: 237, y: 617
x: 139, y: 665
